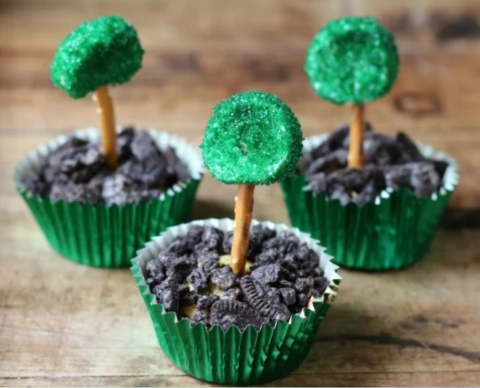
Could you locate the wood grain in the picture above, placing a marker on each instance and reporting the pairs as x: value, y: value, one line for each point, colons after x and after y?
x: 62, y: 324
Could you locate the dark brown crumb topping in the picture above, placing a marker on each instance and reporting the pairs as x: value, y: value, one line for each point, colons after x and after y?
x: 77, y: 171
x: 193, y: 279
x: 394, y: 163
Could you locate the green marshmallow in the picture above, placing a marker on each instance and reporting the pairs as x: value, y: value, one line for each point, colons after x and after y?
x: 105, y: 51
x: 252, y: 138
x: 352, y: 60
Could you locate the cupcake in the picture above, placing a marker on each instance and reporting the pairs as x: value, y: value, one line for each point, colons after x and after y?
x: 98, y: 195
x: 239, y: 302
x: 373, y: 200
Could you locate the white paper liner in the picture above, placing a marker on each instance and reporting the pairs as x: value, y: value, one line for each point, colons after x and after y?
x: 160, y: 243
x: 186, y: 152
x: 450, y: 178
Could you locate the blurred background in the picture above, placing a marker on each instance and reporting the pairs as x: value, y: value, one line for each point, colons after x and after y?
x: 199, y: 52
x: 62, y: 324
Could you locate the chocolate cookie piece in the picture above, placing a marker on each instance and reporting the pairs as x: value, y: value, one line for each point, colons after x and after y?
x: 424, y: 179
x: 171, y: 282
x: 224, y: 278
x: 75, y: 162
x: 165, y: 257
x: 302, y: 300
x: 232, y: 294
x: 200, y: 316
x: 260, y: 301
x: 346, y: 184
x: 190, y: 298
x: 205, y: 301
x: 231, y: 312
x: 306, y: 258
x: 176, y: 169
x: 421, y: 177
x: 368, y: 194
x: 337, y: 140
x: 72, y: 192
x: 289, y: 296
x: 372, y: 188
x: 258, y: 236
x: 170, y: 291
x: 179, y: 247
x: 268, y: 256
x: 290, y: 266
x: 153, y: 281
x: 148, y: 173
x: 321, y: 284
x: 227, y: 242
x: 74, y: 154
x: 116, y: 189
x: 36, y: 184
x: 340, y: 195
x: 169, y: 298
x: 440, y: 166
x: 284, y: 244
x: 143, y: 147
x: 318, y: 183
x: 262, y: 234
x: 267, y: 274
x: 351, y: 179
x: 198, y: 279
x: 124, y: 140
x: 303, y: 285
x: 182, y: 265
x: 409, y: 149
x: 208, y: 264
x: 194, y: 236
x: 328, y: 163
x: 398, y: 177
x: 332, y: 143
x: 155, y: 267
x: 204, y: 256
x: 212, y: 238
x: 381, y: 150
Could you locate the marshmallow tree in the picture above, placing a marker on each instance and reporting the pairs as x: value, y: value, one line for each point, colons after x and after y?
x: 98, y: 54
x: 353, y: 60
x: 253, y: 138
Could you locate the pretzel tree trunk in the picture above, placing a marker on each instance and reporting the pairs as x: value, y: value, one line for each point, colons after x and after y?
x: 241, y: 234
x: 357, y: 132
x: 107, y: 125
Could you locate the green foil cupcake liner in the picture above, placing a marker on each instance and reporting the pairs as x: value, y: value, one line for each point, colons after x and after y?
x: 391, y: 233
x: 109, y: 235
x: 235, y: 357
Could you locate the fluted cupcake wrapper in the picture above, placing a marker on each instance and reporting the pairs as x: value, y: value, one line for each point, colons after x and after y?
x: 388, y: 234
x: 109, y: 235
x: 235, y: 357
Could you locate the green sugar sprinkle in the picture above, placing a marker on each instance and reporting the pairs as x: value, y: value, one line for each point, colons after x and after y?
x: 352, y: 60
x: 105, y: 51
x: 252, y: 138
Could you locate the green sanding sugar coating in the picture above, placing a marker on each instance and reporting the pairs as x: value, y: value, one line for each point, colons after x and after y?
x: 105, y: 51
x: 252, y: 138
x: 352, y: 60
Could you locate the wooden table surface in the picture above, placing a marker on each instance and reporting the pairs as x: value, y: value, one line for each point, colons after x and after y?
x: 63, y: 324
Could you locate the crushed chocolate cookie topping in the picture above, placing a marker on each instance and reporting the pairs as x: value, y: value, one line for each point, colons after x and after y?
x: 193, y: 279
x: 394, y: 163
x: 77, y: 171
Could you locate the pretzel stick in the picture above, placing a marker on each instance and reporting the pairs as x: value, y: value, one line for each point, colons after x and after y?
x: 357, y: 129
x: 241, y: 234
x: 107, y: 125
